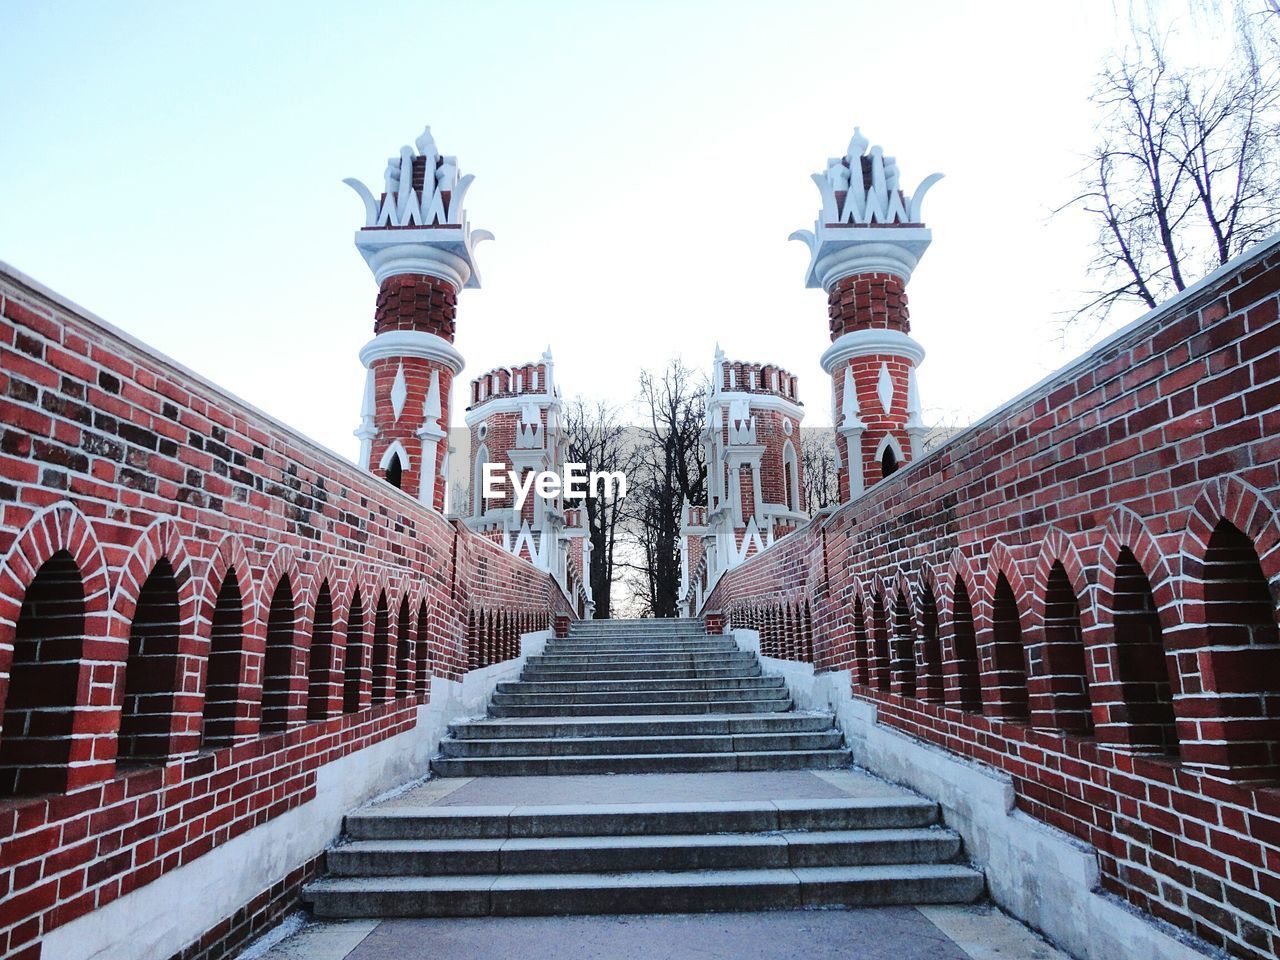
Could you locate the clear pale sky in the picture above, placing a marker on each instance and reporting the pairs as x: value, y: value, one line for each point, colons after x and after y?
x: 176, y: 168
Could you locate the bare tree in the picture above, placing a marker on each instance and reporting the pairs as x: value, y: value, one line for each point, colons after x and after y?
x: 1185, y: 174
x: 670, y: 472
x: 598, y: 439
x: 821, y: 476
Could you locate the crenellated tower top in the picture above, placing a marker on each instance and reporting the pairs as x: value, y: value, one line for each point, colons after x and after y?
x: 737, y: 376
x: 536, y: 378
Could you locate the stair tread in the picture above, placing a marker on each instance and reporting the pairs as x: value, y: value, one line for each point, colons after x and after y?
x: 680, y: 840
x: 667, y: 737
x: 641, y: 718
x: 646, y: 756
x: 641, y: 879
x: 785, y: 804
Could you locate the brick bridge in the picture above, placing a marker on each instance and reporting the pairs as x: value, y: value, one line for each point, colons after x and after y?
x: 218, y: 638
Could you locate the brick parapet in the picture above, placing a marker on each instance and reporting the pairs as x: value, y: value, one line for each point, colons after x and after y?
x: 122, y: 458
x: 1147, y: 444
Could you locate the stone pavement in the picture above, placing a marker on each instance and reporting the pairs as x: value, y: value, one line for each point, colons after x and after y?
x: 645, y: 788
x: 875, y: 933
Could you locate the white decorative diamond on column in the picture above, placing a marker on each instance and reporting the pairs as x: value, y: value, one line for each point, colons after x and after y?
x: 399, y: 391
x: 884, y: 389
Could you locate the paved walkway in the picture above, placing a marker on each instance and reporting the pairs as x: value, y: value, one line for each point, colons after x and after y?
x: 880, y: 933
x: 645, y: 788
x: 876, y: 933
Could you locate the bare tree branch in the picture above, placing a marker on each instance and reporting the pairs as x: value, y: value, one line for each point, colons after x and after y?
x: 1185, y: 174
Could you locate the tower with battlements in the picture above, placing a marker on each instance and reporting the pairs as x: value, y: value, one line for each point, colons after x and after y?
x: 420, y: 247
x: 755, y: 474
x: 514, y: 419
x: 866, y: 242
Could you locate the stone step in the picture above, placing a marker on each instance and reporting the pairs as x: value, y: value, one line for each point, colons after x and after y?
x: 560, y: 648
x: 705, y: 695
x: 631, y: 635
x: 614, y: 686
x: 643, y: 892
x: 635, y: 659
x: 794, y: 722
x: 615, y: 626
x: 687, y: 673
x: 387, y: 822
x: 541, y: 766
x: 717, y: 660
x: 639, y: 636
x: 717, y: 851
x: 599, y: 746
x: 562, y: 709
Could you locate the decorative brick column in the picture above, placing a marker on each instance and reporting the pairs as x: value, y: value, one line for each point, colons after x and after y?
x: 418, y: 244
x: 864, y: 246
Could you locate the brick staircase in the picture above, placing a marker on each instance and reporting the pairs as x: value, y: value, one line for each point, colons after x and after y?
x: 626, y: 697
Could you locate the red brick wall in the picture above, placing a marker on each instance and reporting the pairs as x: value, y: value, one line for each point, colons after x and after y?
x: 408, y: 302
x: 155, y: 490
x: 867, y: 300
x: 1158, y: 452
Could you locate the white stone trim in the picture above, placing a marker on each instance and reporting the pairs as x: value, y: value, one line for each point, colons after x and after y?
x: 1043, y: 876
x: 144, y: 923
x: 395, y: 449
x: 891, y: 442
x: 761, y: 401
x: 486, y: 407
x: 441, y: 252
x: 866, y: 343
x: 412, y: 343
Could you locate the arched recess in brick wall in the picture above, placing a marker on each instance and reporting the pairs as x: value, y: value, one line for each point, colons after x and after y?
x: 155, y: 606
x: 321, y: 656
x: 1228, y: 648
x: 962, y: 685
x: 56, y: 540
x: 1058, y: 678
x: 790, y: 476
x: 881, y: 661
x: 226, y: 706
x: 902, y: 666
x: 151, y: 671
x: 39, y: 712
x: 1003, y: 670
x: 423, y: 650
x: 1143, y: 702
x: 861, y: 644
x: 1134, y: 675
x: 227, y: 613
x: 1057, y: 685
x: 355, y: 658
x: 404, y: 650
x: 383, y: 654
x: 929, y: 649
x: 281, y: 673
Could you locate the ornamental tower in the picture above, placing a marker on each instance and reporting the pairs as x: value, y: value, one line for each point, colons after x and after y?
x: 863, y: 248
x: 755, y: 475
x: 514, y: 419
x: 418, y: 244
